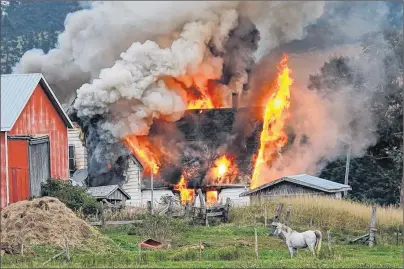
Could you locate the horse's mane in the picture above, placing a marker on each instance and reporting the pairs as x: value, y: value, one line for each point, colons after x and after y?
x: 286, y: 228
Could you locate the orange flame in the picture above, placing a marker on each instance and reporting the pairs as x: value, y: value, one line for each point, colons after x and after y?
x: 273, y: 136
x: 186, y: 195
x: 223, y: 171
x: 205, y: 103
x: 211, y: 198
x: 143, y: 150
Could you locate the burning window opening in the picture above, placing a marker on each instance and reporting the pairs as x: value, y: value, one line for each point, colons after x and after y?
x: 211, y: 197
x: 186, y: 195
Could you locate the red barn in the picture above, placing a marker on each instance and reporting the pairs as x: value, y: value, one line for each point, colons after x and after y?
x: 33, y: 137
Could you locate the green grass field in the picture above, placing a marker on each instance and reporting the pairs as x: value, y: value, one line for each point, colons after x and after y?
x: 232, y: 245
x: 225, y: 246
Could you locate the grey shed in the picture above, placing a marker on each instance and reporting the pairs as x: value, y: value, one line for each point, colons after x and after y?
x: 111, y: 193
x: 297, y: 185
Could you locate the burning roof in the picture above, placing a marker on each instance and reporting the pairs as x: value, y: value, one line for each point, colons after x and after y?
x: 208, y: 138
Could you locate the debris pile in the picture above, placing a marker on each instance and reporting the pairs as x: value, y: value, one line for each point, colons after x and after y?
x: 45, y: 221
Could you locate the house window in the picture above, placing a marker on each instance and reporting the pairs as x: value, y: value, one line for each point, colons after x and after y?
x: 72, y: 160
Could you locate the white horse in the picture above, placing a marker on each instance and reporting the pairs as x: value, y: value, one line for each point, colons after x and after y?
x: 295, y: 240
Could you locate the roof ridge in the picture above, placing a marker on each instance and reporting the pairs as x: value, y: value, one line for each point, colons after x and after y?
x: 25, y: 74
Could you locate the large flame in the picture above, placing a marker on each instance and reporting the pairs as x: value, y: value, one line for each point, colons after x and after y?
x: 273, y: 136
x: 211, y: 197
x: 205, y: 103
x: 143, y: 150
x: 197, y: 97
x: 224, y: 170
x: 186, y: 195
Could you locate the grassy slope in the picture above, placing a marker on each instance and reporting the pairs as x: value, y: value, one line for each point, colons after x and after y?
x: 232, y: 245
x: 225, y: 246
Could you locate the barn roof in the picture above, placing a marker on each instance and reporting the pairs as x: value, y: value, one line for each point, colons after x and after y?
x: 304, y: 180
x: 16, y: 90
x: 105, y: 191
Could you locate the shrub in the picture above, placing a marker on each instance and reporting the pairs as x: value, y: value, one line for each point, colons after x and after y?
x: 158, y: 227
x: 75, y: 198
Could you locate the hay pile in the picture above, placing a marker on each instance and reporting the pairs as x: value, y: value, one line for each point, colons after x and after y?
x: 45, y: 221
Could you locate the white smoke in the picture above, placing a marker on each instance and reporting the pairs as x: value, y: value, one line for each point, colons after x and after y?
x: 94, y: 38
x: 137, y: 78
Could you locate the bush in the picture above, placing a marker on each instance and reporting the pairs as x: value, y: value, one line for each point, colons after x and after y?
x: 159, y: 227
x: 75, y: 198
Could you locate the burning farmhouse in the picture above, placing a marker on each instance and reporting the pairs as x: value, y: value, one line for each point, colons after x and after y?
x: 220, y: 150
x: 186, y: 117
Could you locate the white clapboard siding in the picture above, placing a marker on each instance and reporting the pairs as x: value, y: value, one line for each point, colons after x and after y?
x: 157, y: 194
x: 233, y: 194
x: 80, y: 151
x: 132, y: 183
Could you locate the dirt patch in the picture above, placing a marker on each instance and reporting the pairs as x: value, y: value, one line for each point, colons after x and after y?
x: 45, y: 221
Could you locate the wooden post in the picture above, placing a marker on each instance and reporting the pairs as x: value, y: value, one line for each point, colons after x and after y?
x: 311, y: 221
x: 227, y: 209
x: 140, y: 252
x: 278, y: 213
x: 256, y: 242
x: 200, y: 250
x: 287, y: 217
x: 329, y: 240
x: 67, y: 252
x: 152, y: 198
x: 170, y: 208
x: 397, y: 235
x: 102, y: 213
x: 149, y: 207
x: 203, y: 207
x: 265, y: 217
x: 187, y: 210
x: 348, y: 157
x: 372, y: 229
x: 54, y: 257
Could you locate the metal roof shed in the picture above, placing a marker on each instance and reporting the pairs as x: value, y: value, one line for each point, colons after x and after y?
x: 298, y: 185
x: 110, y: 193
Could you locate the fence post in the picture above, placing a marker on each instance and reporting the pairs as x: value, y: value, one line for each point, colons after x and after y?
x: 311, y: 221
x: 203, y: 207
x: 102, y: 215
x: 170, y: 208
x: 256, y: 242
x: 329, y: 240
x: 227, y: 209
x: 265, y: 217
x: 278, y: 213
x: 287, y: 217
x: 187, y: 210
x: 140, y: 253
x: 372, y: 230
x: 149, y: 207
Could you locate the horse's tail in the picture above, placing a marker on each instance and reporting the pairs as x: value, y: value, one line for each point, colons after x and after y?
x: 318, y: 241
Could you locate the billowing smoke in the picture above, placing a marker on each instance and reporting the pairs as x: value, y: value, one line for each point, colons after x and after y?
x: 339, y: 113
x: 95, y: 37
x: 134, y: 62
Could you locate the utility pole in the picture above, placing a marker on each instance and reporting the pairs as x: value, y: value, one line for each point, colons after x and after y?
x: 348, y: 158
x: 152, y: 202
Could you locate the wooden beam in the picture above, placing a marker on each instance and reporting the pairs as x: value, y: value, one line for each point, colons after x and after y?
x: 288, y: 213
x: 372, y: 229
x: 329, y: 240
x: 278, y: 213
x: 117, y: 222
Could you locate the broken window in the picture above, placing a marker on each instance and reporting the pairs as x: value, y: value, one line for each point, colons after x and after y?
x: 72, y: 160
